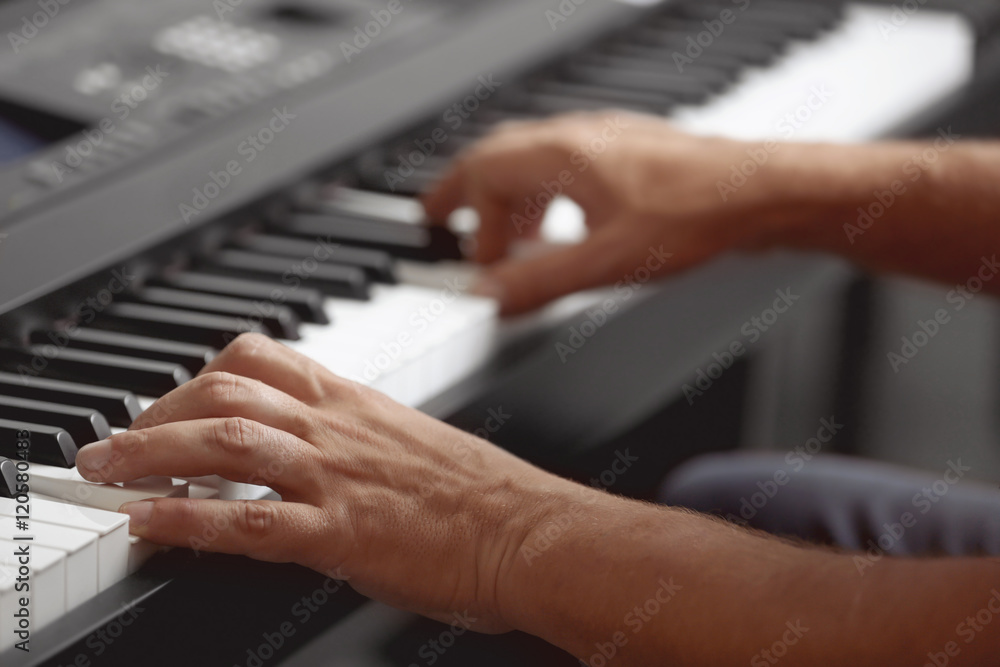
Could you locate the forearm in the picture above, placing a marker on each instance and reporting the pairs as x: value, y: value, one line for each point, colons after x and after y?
x: 927, y: 209
x: 653, y: 585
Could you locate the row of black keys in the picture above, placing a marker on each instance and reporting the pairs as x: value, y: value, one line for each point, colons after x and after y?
x: 634, y: 69
x: 154, y: 340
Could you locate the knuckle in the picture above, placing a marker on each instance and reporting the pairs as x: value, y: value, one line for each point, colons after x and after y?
x: 254, y: 519
x: 183, y: 513
x: 221, y: 387
x: 234, y: 435
x: 246, y: 344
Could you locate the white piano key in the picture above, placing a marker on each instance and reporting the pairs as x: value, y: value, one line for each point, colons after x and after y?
x: 66, y: 484
x: 408, y: 340
x: 47, y: 582
x: 110, y: 529
x: 80, y: 547
x: 878, y: 79
x: 213, y: 486
x: 139, y: 550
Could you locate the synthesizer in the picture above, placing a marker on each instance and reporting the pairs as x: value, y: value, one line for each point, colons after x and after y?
x: 175, y: 175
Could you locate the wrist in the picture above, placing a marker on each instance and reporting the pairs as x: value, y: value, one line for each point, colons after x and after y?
x: 813, y: 190
x: 553, y: 513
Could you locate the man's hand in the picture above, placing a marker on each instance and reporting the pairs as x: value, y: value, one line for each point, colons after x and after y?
x: 411, y: 511
x: 427, y: 518
x: 641, y: 183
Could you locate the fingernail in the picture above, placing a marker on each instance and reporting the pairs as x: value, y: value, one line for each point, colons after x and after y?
x: 138, y: 513
x: 488, y: 288
x: 94, y: 457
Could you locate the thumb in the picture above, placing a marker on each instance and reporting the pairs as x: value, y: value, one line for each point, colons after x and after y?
x: 521, y: 285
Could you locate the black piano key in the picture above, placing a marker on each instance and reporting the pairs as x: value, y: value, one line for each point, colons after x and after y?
x: 712, y: 77
x: 8, y: 478
x: 399, y: 239
x: 84, y: 424
x: 306, y: 302
x: 378, y: 264
x: 798, y: 20
x: 746, y: 50
x: 279, y: 320
x: 741, y: 32
x: 373, y: 177
x: 673, y: 85
x: 120, y: 407
x: 347, y: 282
x: 49, y: 445
x: 664, y: 56
x: 190, y: 356
x: 174, y: 324
x: 553, y: 97
x: 141, y: 376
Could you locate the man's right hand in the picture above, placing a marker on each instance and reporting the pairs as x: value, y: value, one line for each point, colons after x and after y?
x: 644, y: 186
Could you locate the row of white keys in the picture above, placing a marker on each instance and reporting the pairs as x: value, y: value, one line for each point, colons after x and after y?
x: 46, y: 595
x: 79, y: 549
x: 110, y: 530
x: 138, y: 550
x: 875, y: 74
x: 409, y: 341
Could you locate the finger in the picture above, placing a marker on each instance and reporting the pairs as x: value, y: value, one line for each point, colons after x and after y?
x: 275, y: 531
x: 238, y: 449
x: 447, y: 194
x: 261, y: 358
x: 494, y: 233
x: 503, y: 150
x: 220, y: 394
x: 524, y: 284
